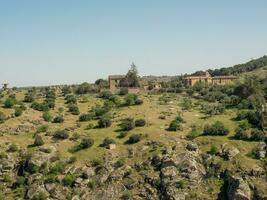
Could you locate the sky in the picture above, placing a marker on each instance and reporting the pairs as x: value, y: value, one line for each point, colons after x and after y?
x: 69, y: 42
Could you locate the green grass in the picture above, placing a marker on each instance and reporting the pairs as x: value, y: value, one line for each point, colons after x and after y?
x: 155, y: 128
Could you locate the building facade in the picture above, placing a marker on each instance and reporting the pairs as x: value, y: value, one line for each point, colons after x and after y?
x: 208, y: 79
x: 115, y: 81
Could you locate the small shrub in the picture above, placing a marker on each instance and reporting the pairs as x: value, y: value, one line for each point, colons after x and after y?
x: 58, y: 119
x: 123, y: 91
x: 92, y: 184
x: 104, y: 122
x: 38, y: 141
x: 106, y: 94
x: 3, y: 155
x: 69, y: 180
x: 86, y: 143
x: 71, y: 99
x: 72, y: 160
x: 194, y: 133
x: 139, y: 102
x: 140, y: 122
x: 75, y: 137
x: 61, y: 134
x: 130, y: 99
x: 29, y: 98
x: 175, y: 126
x: 40, y: 106
x: 181, y: 184
x: 73, y: 109
x: 187, y: 104
x: 257, y: 135
x: 107, y: 141
x: 123, y: 134
x: 18, y: 111
x: 127, y: 195
x: 7, y: 178
x: 241, y: 134
x: 217, y: 128
x: 13, y: 148
x: 42, y: 129
x: 213, y: 150
x: 121, y: 162
x: 47, y: 117
x: 241, y: 115
x: 2, y: 117
x: 40, y: 196
x: 135, y: 138
x: 89, y: 126
x: 127, y: 124
x: 9, y: 102
x: 244, y: 125
x: 86, y: 117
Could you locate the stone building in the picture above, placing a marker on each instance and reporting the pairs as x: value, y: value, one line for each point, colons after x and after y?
x: 115, y: 81
x: 208, y: 79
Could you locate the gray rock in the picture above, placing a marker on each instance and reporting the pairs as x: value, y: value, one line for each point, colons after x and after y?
x: 230, y: 153
x: 238, y: 189
x: 192, y: 147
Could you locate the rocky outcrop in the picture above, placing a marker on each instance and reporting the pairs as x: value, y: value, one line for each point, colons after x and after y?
x: 238, y: 189
x: 39, y: 158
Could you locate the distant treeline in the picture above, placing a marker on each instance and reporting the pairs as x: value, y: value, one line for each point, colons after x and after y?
x: 236, y: 69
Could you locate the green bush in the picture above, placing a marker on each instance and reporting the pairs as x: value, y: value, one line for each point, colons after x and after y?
x: 127, y: 195
x: 123, y: 134
x: 38, y: 141
x: 73, y: 109
x: 120, y: 162
x: 61, y: 134
x: 139, y: 101
x: 194, y: 133
x: 244, y: 125
x: 127, y: 124
x: 71, y: 99
x: 86, y: 117
x: 69, y: 180
x: 3, y: 155
x: 130, y: 99
x: 58, y: 119
x: 105, y: 94
x: 134, y: 138
x: 175, y: 126
x: 42, y: 129
x: 47, y: 117
x: 18, y: 112
x: 213, y: 150
x: 241, y: 134
x: 66, y: 90
x: 40, y: 106
x: 75, y: 136
x: 29, y: 98
x: 140, y: 122
x: 13, y: 148
x: 181, y: 184
x: 9, y: 102
x: 104, y: 122
x: 86, y: 143
x: 187, y: 104
x: 257, y: 135
x: 217, y: 128
x: 123, y: 91
x: 2, y: 117
x: 107, y: 141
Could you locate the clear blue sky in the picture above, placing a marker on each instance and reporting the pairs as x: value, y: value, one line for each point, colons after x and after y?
x: 61, y: 41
